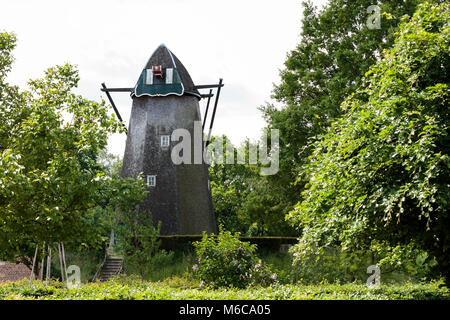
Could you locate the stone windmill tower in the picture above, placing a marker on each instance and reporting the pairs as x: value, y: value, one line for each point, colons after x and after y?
x: 165, y: 99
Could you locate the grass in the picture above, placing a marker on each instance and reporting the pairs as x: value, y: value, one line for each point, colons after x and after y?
x: 176, y: 288
x: 180, y: 265
x: 174, y: 280
x: 321, y: 280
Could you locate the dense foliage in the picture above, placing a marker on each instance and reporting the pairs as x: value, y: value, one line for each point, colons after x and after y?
x: 364, y: 163
x: 244, y: 201
x: 380, y: 175
x: 139, y: 242
x: 51, y: 186
x: 224, y: 260
x: 229, y: 186
x: 335, y: 51
x: 175, y: 289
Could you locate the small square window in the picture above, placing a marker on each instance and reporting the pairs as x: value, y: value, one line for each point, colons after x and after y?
x: 165, y: 141
x: 151, y: 181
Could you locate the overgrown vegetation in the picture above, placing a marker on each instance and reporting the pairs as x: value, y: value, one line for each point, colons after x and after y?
x: 89, y: 260
x: 223, y: 260
x: 178, y: 288
x: 139, y: 243
x: 379, y: 177
x: 364, y: 140
x: 52, y: 187
x: 364, y: 174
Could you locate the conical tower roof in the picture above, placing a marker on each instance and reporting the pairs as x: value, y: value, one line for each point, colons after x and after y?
x: 163, y: 57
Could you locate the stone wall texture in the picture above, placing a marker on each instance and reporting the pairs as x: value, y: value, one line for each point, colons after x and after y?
x: 13, y: 272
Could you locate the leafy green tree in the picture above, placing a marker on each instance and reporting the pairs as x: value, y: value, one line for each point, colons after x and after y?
x: 50, y: 181
x: 111, y: 164
x: 140, y: 243
x: 264, y: 209
x: 223, y: 260
x: 380, y: 175
x: 243, y: 199
x: 336, y: 50
x: 229, y: 186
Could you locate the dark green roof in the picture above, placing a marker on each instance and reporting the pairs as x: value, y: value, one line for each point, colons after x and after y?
x: 164, y: 57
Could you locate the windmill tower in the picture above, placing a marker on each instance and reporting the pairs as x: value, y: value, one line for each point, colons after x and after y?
x: 165, y: 99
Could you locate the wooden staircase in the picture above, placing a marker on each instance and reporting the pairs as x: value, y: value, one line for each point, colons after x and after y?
x: 112, y: 267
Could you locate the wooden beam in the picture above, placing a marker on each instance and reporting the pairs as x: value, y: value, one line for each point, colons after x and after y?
x: 208, y: 86
x: 106, y: 90
x: 214, y: 111
x: 207, y: 107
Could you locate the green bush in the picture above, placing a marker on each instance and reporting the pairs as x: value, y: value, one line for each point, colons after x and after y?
x: 89, y: 260
x: 132, y: 288
x: 138, y: 240
x: 224, y: 260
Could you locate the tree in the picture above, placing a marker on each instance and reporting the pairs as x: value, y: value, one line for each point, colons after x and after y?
x: 229, y: 186
x: 336, y: 50
x: 264, y: 209
x: 50, y: 181
x: 243, y: 199
x: 380, y: 174
x: 140, y: 243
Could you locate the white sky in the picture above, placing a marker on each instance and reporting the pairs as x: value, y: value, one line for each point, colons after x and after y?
x: 243, y: 42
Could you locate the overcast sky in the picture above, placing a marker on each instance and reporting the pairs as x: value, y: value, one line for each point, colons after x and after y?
x: 243, y: 42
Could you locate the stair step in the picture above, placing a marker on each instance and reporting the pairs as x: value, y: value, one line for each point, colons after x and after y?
x: 112, y: 267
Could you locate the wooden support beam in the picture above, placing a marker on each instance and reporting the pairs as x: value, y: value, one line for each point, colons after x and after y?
x: 106, y: 90
x: 61, y: 264
x: 49, y: 261
x: 219, y: 86
x: 208, y: 86
x: 64, y: 263
x: 207, y: 107
x: 34, y: 263
x: 41, y: 269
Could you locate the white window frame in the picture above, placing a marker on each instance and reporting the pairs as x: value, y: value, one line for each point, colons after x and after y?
x: 165, y: 141
x: 169, y: 75
x: 148, y: 76
x: 149, y: 177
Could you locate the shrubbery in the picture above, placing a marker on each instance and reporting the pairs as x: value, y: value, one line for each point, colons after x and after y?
x: 378, y: 177
x: 134, y: 289
x: 223, y: 260
x: 140, y: 244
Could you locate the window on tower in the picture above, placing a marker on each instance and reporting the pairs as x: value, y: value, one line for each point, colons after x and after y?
x: 157, y: 71
x: 169, y: 76
x: 151, y: 181
x: 165, y: 141
x: 148, y: 76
